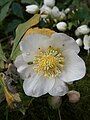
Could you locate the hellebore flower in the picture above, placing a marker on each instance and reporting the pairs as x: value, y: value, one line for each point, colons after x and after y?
x: 55, y: 62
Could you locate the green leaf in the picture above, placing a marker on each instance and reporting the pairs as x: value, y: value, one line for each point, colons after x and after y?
x: 16, y: 53
x: 27, y: 1
x: 4, y: 11
x: 83, y: 13
x: 12, y: 25
x: 21, y: 29
x: 2, y: 97
x: 17, y: 10
x: 3, y: 2
x: 1, y: 64
x: 2, y: 56
x: 70, y: 24
x: 1, y: 89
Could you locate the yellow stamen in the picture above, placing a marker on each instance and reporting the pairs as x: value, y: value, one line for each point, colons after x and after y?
x: 50, y: 62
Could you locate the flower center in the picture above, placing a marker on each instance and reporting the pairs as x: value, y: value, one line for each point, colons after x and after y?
x: 49, y: 62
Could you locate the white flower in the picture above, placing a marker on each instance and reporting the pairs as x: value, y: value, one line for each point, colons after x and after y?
x: 86, y: 42
x: 62, y: 26
x: 49, y: 3
x: 32, y: 9
x: 67, y: 10
x: 45, y: 11
x: 55, y: 13
x: 79, y: 42
x: 74, y: 96
x: 82, y: 30
x: 55, y: 62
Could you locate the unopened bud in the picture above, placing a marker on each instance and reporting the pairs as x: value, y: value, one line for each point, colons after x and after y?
x: 49, y: 3
x: 86, y: 42
x: 62, y: 16
x: 73, y: 96
x: 55, y: 13
x: 62, y: 26
x: 45, y: 11
x: 32, y: 9
x: 82, y: 30
x: 55, y: 101
x: 79, y: 42
x: 67, y: 10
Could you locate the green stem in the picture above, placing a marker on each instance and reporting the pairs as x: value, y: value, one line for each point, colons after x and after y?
x: 59, y: 114
x: 6, y: 113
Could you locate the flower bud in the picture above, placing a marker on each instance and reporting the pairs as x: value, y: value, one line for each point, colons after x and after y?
x: 55, y: 13
x: 62, y: 15
x: 49, y: 3
x: 67, y: 10
x: 32, y: 9
x: 74, y: 96
x: 45, y: 11
x: 55, y: 101
x: 79, y: 41
x: 83, y: 29
x: 86, y: 42
x: 62, y: 26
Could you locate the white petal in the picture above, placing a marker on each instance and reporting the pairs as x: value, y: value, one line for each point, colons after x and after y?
x: 33, y: 42
x: 29, y: 56
x: 19, y: 61
x: 64, y: 42
x: 26, y: 71
x: 74, y: 68
x: 22, y: 67
x: 37, y: 85
x: 59, y: 88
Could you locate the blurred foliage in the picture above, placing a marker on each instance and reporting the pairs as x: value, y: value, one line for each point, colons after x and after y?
x: 12, y: 13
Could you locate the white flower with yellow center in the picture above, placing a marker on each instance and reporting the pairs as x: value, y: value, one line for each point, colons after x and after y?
x: 48, y: 61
